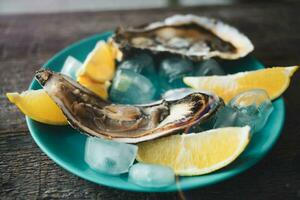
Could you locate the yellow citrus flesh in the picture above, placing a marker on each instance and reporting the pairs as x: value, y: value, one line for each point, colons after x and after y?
x: 37, y: 105
x: 98, y: 88
x: 100, y: 64
x: 196, y: 154
x: 274, y: 80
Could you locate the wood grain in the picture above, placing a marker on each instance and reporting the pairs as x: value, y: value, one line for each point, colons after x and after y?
x: 27, y: 41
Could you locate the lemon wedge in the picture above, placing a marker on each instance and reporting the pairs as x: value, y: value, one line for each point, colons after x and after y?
x: 37, y: 105
x: 274, y: 80
x: 98, y: 88
x: 196, y: 154
x: 100, y: 64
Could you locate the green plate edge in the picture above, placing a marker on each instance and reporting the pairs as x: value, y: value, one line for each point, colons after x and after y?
x: 278, y: 115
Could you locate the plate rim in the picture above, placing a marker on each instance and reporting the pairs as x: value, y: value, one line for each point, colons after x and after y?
x: 144, y: 189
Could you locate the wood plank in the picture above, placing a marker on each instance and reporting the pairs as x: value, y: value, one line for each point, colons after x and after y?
x: 27, y: 41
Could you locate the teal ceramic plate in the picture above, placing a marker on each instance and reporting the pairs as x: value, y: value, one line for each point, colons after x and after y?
x: 66, y: 146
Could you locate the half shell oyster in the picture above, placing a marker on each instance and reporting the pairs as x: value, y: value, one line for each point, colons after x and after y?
x: 94, y: 116
x: 187, y: 35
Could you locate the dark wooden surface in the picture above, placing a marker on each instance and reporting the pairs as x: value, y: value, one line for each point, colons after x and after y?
x: 27, y: 41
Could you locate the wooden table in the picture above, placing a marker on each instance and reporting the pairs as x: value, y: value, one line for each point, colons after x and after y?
x: 28, y: 41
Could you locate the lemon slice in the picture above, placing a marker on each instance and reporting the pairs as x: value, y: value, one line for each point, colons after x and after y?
x: 100, y: 63
x: 196, y: 154
x: 37, y: 105
x: 274, y: 80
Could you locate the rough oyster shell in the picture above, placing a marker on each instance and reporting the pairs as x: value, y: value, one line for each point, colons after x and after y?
x: 94, y: 116
x: 188, y: 35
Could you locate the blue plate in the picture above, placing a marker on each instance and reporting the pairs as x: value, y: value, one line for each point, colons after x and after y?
x: 65, y: 145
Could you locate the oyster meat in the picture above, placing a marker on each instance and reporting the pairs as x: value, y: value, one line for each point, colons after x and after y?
x: 94, y: 116
x: 196, y: 37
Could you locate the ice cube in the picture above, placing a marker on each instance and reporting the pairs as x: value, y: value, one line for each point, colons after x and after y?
x: 109, y: 157
x: 129, y: 87
x: 172, y: 70
x: 254, y: 107
x: 71, y: 67
x: 140, y: 63
x: 226, y: 117
x: 251, y: 108
x: 178, y: 93
x: 208, y: 68
x: 150, y: 175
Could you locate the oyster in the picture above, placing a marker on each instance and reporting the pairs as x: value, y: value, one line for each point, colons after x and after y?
x: 188, y: 35
x: 94, y: 116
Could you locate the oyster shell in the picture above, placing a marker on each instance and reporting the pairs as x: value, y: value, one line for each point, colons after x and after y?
x: 94, y: 116
x: 188, y: 35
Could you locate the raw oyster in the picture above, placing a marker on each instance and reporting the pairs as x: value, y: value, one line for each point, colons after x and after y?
x: 196, y: 37
x: 131, y: 124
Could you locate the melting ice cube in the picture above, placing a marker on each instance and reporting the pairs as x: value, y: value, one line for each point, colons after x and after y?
x: 254, y: 108
x: 172, y: 70
x: 129, y: 87
x: 139, y: 63
x: 251, y: 108
x: 208, y: 68
x: 109, y: 157
x: 226, y: 117
x: 71, y: 67
x: 149, y: 175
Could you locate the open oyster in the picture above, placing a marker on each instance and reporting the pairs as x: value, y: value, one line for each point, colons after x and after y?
x: 188, y: 35
x: 94, y: 116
